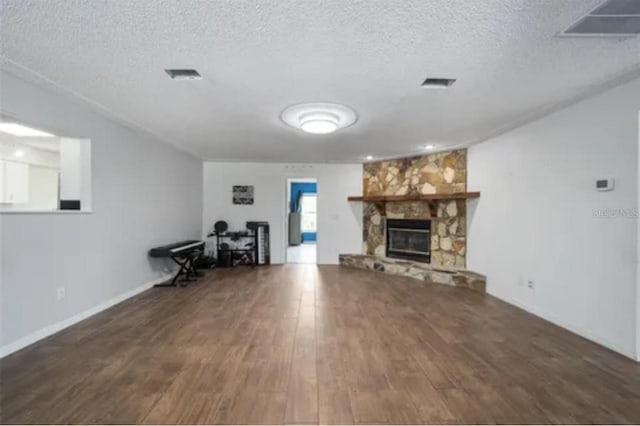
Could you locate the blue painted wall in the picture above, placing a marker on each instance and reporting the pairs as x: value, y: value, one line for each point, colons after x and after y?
x: 306, y: 188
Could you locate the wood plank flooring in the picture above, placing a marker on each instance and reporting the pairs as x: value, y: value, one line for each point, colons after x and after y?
x: 304, y: 344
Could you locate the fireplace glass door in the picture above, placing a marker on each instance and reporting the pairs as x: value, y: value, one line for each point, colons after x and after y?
x: 415, y: 241
x: 409, y: 239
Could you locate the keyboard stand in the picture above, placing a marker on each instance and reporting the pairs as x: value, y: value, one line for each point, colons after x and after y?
x: 187, y: 268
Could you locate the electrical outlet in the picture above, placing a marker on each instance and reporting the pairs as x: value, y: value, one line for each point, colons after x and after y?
x: 530, y: 284
x: 62, y: 292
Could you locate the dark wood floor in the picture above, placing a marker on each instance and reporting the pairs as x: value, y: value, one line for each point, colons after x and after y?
x: 307, y: 344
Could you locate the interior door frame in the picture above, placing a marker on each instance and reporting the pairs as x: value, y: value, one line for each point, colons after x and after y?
x: 287, y: 195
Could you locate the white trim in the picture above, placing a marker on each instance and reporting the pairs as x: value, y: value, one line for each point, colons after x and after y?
x: 61, y: 325
x: 562, y: 324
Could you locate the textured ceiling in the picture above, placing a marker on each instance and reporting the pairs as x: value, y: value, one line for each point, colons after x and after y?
x: 258, y: 57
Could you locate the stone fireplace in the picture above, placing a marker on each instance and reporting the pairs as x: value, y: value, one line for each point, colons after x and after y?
x: 409, y: 239
x: 415, y: 219
x: 440, y: 173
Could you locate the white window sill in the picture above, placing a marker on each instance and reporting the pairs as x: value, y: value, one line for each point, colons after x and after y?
x: 46, y: 211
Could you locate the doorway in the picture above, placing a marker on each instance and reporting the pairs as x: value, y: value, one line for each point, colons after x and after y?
x: 302, y: 220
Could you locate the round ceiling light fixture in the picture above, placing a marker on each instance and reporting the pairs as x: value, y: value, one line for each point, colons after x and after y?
x: 319, y: 118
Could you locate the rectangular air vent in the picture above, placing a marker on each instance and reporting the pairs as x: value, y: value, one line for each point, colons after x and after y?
x: 612, y: 18
x: 183, y: 74
x: 618, y: 8
x: 438, y: 83
x: 606, y: 25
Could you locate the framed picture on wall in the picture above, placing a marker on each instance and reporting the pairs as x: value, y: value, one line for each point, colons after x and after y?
x: 243, y: 194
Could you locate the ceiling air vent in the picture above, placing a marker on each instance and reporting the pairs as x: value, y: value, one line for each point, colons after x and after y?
x: 183, y: 74
x: 438, y: 83
x: 618, y: 8
x: 613, y: 18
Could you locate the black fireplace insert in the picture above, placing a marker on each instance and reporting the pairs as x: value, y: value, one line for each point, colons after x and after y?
x: 409, y: 239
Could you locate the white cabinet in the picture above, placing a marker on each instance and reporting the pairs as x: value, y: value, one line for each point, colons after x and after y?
x: 14, y: 182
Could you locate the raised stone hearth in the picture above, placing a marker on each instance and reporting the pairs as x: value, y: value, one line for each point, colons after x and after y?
x: 423, y: 271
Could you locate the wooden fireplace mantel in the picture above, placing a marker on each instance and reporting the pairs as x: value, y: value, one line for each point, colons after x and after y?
x: 414, y: 197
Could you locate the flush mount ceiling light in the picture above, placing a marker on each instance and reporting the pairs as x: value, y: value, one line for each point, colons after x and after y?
x: 429, y: 147
x: 16, y: 129
x: 319, y: 118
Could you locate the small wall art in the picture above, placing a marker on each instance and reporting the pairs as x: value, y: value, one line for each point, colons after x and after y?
x: 243, y: 194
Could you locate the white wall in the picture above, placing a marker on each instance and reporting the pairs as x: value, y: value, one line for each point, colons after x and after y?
x: 145, y: 193
x: 535, y: 217
x: 339, y: 222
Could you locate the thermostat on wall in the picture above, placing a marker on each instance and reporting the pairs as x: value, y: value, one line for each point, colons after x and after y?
x: 605, y: 184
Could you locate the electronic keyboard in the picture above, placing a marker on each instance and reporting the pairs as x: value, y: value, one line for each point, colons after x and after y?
x: 261, y: 255
x: 177, y: 249
x: 184, y: 254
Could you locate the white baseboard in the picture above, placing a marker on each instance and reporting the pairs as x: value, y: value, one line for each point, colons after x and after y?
x: 575, y: 330
x: 61, y: 325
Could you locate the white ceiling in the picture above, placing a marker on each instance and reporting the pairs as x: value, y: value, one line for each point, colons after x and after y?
x: 258, y: 57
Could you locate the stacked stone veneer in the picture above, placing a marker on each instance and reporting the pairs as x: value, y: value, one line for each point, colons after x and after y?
x: 439, y: 173
x: 422, y: 271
